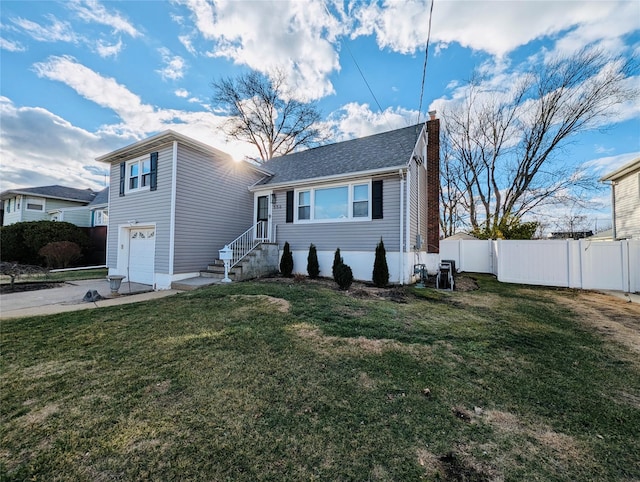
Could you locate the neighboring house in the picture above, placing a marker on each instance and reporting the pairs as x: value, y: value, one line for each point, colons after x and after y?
x: 99, y: 209
x: 458, y: 236
x: 625, y: 200
x: 47, y: 203
x: 571, y: 234
x: 175, y: 202
x: 99, y: 219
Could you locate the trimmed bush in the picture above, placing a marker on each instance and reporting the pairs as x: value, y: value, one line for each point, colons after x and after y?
x: 313, y: 268
x: 337, y: 260
x: 286, y: 262
x: 380, y: 268
x: 22, y: 242
x: 61, y: 254
x: 344, y: 276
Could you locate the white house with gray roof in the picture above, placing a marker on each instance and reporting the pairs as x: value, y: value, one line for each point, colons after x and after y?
x: 45, y: 203
x: 625, y: 200
x: 175, y: 202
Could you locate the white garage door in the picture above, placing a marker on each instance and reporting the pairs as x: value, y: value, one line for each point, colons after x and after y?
x: 142, y: 251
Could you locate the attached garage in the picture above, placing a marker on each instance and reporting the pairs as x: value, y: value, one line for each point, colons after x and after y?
x: 142, y: 249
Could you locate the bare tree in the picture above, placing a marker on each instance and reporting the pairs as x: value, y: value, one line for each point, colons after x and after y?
x: 263, y: 112
x: 507, y: 142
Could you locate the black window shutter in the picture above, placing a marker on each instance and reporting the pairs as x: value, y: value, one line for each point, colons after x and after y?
x: 153, y: 182
x: 289, y: 206
x: 123, y: 173
x: 376, y: 198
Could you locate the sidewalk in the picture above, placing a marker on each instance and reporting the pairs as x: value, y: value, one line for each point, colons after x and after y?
x: 68, y: 297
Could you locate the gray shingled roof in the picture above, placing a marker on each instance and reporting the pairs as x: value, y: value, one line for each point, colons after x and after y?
x: 379, y: 151
x: 54, y: 192
x: 101, y: 198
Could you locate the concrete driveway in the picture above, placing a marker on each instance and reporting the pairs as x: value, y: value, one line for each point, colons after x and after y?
x: 68, y: 297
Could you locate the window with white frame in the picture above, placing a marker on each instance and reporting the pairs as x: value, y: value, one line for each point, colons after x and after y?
x: 34, y: 204
x: 101, y: 217
x: 139, y: 174
x: 334, y: 203
x: 304, y: 205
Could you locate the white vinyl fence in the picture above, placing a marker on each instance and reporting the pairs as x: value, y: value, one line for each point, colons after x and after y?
x: 610, y: 265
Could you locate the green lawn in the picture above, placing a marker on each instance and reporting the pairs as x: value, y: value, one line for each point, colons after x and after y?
x: 291, y: 381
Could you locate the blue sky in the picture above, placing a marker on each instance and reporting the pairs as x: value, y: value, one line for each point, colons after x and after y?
x: 80, y: 78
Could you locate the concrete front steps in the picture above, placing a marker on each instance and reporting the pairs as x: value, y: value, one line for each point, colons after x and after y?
x: 262, y: 261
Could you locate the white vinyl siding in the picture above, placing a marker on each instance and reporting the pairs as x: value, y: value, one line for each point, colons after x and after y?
x: 34, y: 204
x: 143, y: 207
x: 22, y: 214
x: 627, y: 206
x: 213, y: 206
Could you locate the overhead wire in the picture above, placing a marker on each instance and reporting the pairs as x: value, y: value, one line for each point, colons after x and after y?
x: 426, y: 59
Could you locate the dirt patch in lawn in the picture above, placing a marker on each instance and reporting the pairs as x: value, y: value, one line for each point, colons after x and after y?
x: 278, y: 304
x: 354, y: 345
x: 610, y: 316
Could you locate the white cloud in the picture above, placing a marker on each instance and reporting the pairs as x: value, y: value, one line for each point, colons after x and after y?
x: 355, y: 120
x: 297, y: 39
x: 174, y: 65
x: 94, y: 11
x: 106, y: 50
x: 493, y: 26
x: 186, y: 41
x: 603, y: 150
x: 181, y: 93
x: 104, y: 91
x: 63, y: 153
x: 56, y: 31
x: 604, y: 165
x: 138, y: 119
x: 11, y: 46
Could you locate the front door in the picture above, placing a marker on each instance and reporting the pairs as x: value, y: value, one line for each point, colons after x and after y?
x: 262, y: 217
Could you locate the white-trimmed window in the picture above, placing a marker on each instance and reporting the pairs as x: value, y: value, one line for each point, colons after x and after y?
x: 344, y: 202
x: 139, y: 174
x: 101, y: 217
x: 304, y: 205
x: 34, y: 204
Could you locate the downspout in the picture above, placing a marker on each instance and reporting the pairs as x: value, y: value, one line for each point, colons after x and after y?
x: 408, y: 212
x: 401, y: 246
x: 172, y: 220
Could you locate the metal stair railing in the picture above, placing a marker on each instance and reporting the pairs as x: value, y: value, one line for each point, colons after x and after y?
x: 247, y: 242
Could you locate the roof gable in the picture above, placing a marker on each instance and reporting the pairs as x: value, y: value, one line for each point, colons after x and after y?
x: 102, y: 197
x: 623, y: 171
x: 387, y: 150
x: 162, y: 140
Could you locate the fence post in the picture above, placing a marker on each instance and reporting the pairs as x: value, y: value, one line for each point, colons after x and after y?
x: 626, y: 263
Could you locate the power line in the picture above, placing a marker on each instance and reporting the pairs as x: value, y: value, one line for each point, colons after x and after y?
x: 426, y: 58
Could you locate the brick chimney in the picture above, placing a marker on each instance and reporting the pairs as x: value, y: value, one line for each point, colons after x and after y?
x: 433, y: 183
